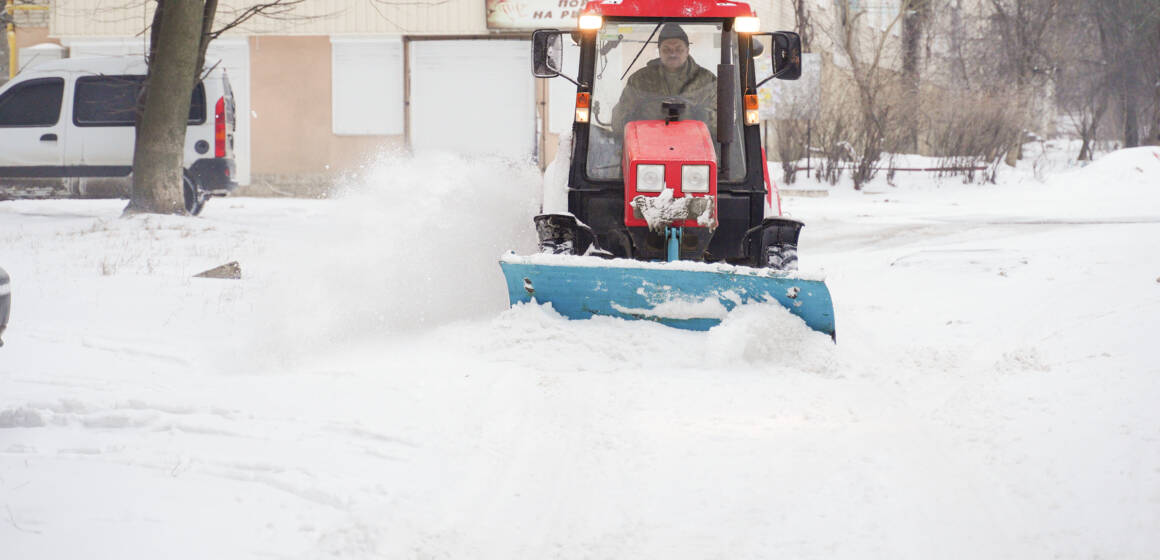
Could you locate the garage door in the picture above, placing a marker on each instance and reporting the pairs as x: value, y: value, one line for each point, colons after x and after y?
x: 472, y: 97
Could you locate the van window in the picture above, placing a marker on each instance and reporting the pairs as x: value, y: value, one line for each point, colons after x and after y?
x: 112, y: 101
x: 106, y: 100
x: 32, y: 103
x: 197, y: 105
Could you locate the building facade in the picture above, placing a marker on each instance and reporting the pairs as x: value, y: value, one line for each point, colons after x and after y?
x: 325, y: 88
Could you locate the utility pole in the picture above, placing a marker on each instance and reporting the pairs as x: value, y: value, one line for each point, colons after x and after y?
x: 10, y: 9
x: 10, y: 35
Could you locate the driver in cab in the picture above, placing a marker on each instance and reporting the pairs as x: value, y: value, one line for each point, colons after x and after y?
x: 674, y: 74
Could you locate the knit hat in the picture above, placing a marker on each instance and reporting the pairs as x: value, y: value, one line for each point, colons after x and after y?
x: 673, y: 31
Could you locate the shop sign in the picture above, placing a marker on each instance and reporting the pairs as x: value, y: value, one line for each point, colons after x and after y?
x: 533, y: 14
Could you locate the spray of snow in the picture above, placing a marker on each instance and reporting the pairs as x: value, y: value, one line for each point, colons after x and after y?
x: 556, y: 177
x: 412, y: 245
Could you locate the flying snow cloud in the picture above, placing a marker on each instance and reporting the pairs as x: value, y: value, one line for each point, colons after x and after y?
x: 412, y: 245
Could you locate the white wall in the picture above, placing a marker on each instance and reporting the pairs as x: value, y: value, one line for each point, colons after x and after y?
x: 367, y: 85
x: 472, y: 96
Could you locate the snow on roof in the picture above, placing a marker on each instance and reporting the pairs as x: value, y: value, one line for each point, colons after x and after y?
x: 107, y: 65
x: 92, y: 65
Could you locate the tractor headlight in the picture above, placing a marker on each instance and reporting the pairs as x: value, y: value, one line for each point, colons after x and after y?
x: 695, y: 178
x: 650, y: 178
x: 590, y: 21
x: 746, y: 24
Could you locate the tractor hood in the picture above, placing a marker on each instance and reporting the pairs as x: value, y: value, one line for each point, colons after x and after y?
x: 670, y: 175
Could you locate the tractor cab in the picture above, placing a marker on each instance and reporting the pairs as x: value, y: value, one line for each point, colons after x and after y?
x: 665, y: 165
x: 666, y: 160
x: 641, y: 66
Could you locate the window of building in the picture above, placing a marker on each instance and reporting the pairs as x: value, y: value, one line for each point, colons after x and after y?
x: 32, y: 103
x: 367, y: 86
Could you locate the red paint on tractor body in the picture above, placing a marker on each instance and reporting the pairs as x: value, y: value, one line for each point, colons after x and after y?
x: 668, y: 8
x: 672, y: 145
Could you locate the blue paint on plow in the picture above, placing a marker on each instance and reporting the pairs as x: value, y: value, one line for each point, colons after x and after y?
x: 677, y: 297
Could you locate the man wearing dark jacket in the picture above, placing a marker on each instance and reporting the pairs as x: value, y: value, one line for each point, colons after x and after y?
x: 674, y: 74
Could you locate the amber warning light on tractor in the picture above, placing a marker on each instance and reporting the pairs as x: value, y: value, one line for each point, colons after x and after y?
x: 582, y: 101
x: 751, y: 115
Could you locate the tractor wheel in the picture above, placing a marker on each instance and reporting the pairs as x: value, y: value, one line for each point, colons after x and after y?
x: 782, y: 257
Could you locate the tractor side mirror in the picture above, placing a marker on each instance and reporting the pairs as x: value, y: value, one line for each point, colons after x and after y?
x: 787, y: 55
x: 547, y: 53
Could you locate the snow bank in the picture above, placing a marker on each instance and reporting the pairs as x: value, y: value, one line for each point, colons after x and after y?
x: 1123, y: 186
x: 993, y: 393
x: 1132, y: 169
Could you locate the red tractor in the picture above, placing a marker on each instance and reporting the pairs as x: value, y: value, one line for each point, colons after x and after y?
x: 670, y: 212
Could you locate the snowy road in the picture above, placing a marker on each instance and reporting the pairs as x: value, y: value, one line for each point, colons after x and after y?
x: 363, y: 392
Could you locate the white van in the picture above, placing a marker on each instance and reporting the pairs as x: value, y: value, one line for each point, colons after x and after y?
x: 73, y: 120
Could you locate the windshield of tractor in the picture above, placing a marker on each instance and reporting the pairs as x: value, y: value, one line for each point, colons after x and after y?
x: 641, y: 64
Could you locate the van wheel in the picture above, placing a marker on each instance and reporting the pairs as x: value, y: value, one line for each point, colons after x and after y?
x: 194, y: 199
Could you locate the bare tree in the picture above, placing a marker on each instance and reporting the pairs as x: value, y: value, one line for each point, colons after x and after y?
x: 915, y: 16
x: 157, y: 156
x: 180, y: 34
x: 877, y: 89
x: 803, y: 25
x: 1128, y: 38
x: 1081, y: 91
x: 1024, y: 27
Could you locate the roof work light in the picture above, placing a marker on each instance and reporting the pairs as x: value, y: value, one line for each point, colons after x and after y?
x: 590, y: 21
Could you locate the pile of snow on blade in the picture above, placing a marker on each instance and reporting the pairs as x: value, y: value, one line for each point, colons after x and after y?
x: 536, y: 336
x: 768, y: 335
x: 413, y: 245
x: 755, y: 336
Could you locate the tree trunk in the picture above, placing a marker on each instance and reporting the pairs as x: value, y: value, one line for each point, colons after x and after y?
x: 206, y: 29
x: 803, y: 28
x: 157, y: 158
x: 912, y: 29
x: 1131, y: 121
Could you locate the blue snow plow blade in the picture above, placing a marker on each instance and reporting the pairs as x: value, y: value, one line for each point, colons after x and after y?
x: 693, y: 296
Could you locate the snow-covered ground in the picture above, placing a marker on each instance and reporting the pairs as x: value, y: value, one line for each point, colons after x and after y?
x: 364, y: 391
